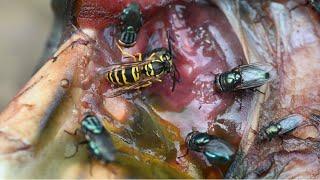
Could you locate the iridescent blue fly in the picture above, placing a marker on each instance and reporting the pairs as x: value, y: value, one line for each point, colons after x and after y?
x: 131, y: 22
x: 99, y: 141
x: 216, y: 150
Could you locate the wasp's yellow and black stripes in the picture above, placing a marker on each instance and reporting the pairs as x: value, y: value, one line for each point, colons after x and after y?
x: 123, y: 76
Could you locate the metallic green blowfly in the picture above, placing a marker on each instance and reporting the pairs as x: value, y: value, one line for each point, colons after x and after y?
x: 248, y: 76
x: 280, y: 127
x: 131, y: 22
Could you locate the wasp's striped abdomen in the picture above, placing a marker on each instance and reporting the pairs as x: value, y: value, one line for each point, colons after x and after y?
x: 124, y: 76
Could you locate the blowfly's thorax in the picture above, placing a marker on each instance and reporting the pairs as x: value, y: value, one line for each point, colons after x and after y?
x: 273, y: 129
x: 197, y: 140
x: 229, y: 80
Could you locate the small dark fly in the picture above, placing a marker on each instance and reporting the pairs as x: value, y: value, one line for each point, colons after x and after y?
x: 131, y: 22
x: 98, y: 139
x: 280, y: 127
x: 146, y: 69
x: 244, y: 77
x: 216, y: 150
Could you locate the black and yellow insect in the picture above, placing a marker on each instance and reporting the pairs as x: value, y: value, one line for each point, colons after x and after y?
x: 146, y: 69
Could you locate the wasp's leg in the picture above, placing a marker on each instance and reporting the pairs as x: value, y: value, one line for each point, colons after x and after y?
x: 145, y: 85
x: 77, y: 148
x: 126, y: 54
x: 139, y: 55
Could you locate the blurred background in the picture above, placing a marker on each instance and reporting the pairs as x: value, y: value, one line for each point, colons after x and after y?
x: 24, y: 28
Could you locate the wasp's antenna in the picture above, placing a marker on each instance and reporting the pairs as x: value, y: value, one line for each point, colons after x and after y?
x: 176, y: 73
x: 169, y: 41
x: 174, y: 79
x: 175, y: 76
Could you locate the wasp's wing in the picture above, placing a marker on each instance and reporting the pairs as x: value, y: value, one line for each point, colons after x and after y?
x: 102, y: 71
x: 255, y: 75
x: 290, y: 122
x: 139, y: 84
x: 218, y: 151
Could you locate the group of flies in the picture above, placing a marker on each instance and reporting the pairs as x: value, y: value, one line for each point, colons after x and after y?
x: 151, y: 67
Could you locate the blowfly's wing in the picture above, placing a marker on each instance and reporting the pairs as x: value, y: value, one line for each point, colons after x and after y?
x: 105, y: 144
x: 255, y: 75
x: 218, y: 151
x: 290, y: 122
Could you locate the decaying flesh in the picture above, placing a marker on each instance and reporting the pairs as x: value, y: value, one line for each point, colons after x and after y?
x: 149, y: 127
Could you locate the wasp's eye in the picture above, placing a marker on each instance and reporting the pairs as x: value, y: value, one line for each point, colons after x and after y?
x: 165, y: 57
x: 168, y: 56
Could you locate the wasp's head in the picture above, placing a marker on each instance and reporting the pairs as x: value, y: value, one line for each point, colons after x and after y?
x: 166, y: 57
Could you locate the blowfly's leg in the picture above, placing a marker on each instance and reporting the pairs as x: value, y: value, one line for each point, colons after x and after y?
x: 184, y: 155
x: 72, y: 134
x: 90, y: 165
x: 257, y: 90
x: 77, y: 148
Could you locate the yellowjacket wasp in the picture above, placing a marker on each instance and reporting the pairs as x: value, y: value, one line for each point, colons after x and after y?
x: 147, y: 68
